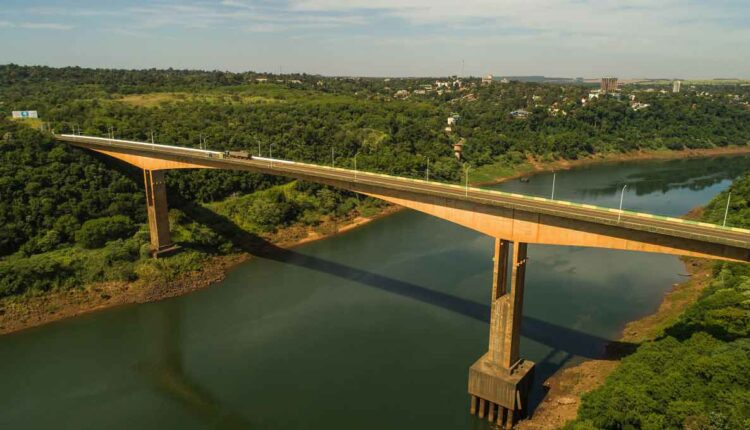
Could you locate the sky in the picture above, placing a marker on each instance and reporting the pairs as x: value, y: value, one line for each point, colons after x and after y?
x: 567, y: 38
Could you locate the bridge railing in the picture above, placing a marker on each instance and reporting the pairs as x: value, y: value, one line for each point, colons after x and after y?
x: 362, y: 176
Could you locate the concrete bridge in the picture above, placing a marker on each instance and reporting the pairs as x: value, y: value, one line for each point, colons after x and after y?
x: 500, y: 381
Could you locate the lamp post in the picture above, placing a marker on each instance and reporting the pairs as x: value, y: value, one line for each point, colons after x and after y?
x: 726, y: 211
x: 467, y: 180
x: 622, y: 196
x: 427, y: 174
x: 554, y: 176
x: 355, y: 166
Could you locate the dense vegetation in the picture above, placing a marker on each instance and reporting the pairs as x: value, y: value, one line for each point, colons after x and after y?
x: 697, y: 375
x: 68, y: 217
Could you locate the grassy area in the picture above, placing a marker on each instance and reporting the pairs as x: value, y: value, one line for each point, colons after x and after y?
x: 35, y: 123
x: 495, y: 171
x: 249, y: 94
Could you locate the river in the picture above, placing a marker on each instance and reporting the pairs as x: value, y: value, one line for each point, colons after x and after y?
x: 372, y: 329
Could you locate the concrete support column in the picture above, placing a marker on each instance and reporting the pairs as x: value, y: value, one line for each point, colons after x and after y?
x: 158, y: 217
x: 501, y: 377
x: 512, y: 329
x: 507, y: 303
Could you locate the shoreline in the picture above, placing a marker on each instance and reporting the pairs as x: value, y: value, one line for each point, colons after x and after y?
x: 566, y: 386
x: 665, y: 154
x: 24, y: 313
x: 17, y: 314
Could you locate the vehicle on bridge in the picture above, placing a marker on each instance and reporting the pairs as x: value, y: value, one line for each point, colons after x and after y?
x: 244, y: 155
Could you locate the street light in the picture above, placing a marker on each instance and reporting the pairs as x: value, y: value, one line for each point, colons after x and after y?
x: 428, y: 170
x: 554, y: 175
x: 622, y: 196
x: 467, y: 180
x: 355, y: 166
x: 726, y: 211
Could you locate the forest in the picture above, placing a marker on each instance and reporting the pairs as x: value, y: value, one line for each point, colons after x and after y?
x: 69, y: 218
x: 696, y: 375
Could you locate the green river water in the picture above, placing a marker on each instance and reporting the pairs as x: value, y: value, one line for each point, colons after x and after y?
x: 372, y: 329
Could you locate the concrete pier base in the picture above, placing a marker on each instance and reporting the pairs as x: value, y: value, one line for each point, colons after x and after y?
x: 501, y: 394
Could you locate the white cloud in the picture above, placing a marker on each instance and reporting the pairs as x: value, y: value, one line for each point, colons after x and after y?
x: 36, y: 25
x: 45, y: 26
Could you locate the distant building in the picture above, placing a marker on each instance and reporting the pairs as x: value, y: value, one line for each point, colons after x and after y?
x: 458, y: 147
x: 676, y: 85
x: 487, y: 79
x: 261, y: 80
x: 401, y: 94
x: 453, y: 119
x: 442, y: 84
x: 609, y: 85
x: 25, y: 114
x: 504, y: 81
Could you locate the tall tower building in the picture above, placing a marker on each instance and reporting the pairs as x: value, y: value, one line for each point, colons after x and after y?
x: 609, y: 85
x: 676, y: 85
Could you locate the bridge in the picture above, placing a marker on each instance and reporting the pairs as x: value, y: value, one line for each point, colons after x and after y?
x: 500, y: 380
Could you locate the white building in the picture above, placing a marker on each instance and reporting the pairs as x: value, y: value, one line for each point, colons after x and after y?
x: 25, y: 114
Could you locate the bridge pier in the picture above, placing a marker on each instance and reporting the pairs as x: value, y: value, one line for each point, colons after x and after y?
x: 500, y: 381
x: 158, y: 216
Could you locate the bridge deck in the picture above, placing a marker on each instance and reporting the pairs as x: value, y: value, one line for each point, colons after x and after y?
x: 606, y: 216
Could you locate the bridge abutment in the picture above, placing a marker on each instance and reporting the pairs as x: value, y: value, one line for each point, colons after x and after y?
x: 500, y: 381
x: 158, y: 215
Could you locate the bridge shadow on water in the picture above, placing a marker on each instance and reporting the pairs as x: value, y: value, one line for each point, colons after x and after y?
x: 566, y: 343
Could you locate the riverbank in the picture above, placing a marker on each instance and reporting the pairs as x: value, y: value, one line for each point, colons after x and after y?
x: 26, y: 312
x: 487, y: 175
x: 19, y: 313
x: 565, y: 388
